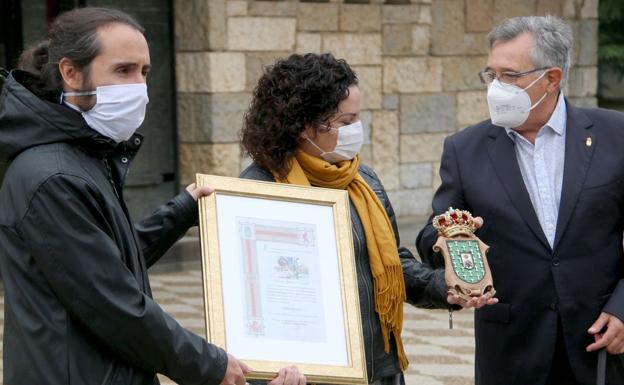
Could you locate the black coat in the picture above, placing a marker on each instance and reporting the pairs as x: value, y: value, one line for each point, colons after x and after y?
x: 424, y: 286
x: 579, y: 278
x: 78, y: 305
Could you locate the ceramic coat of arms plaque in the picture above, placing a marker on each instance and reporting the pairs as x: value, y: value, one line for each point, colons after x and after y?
x: 467, y: 272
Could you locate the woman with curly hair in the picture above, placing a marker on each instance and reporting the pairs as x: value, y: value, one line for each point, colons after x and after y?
x: 303, y: 127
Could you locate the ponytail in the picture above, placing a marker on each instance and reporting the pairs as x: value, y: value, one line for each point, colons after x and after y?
x: 45, y: 81
x: 34, y: 58
x: 4, y: 74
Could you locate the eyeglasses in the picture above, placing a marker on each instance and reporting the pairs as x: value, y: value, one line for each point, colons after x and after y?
x: 507, y: 77
x: 325, y: 128
x: 328, y: 126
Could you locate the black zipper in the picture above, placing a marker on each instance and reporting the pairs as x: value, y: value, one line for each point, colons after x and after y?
x: 129, y: 221
x: 110, y: 177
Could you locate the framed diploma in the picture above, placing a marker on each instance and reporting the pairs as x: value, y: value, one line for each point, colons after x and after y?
x: 280, y: 284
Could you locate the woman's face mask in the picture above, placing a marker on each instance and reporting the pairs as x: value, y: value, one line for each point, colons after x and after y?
x: 349, y: 144
x: 119, y: 109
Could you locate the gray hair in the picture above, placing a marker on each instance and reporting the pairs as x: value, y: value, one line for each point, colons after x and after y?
x: 553, y: 40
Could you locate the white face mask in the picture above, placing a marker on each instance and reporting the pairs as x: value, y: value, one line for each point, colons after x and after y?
x: 509, y: 104
x: 119, y: 109
x: 349, y: 144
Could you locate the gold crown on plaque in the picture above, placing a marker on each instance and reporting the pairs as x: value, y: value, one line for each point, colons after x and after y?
x: 454, y: 222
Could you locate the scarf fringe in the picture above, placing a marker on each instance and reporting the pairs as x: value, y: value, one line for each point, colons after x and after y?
x: 385, y: 263
x: 403, y: 361
x: 389, y: 298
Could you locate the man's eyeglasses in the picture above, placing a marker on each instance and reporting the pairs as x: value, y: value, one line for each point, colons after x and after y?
x: 507, y: 77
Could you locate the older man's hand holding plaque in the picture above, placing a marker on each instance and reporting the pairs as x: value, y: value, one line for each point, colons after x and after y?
x: 467, y: 273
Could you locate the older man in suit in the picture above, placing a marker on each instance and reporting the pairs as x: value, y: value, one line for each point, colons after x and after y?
x: 548, y: 180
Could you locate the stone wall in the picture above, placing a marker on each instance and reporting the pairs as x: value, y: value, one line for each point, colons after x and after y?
x: 417, y: 63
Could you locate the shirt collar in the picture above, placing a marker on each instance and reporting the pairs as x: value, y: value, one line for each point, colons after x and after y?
x: 557, y: 121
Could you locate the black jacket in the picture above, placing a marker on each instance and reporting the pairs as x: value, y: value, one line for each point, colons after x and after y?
x: 540, y: 288
x: 424, y: 286
x: 78, y: 305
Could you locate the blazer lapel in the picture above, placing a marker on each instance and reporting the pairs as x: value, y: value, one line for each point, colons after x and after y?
x: 578, y: 153
x: 503, y: 156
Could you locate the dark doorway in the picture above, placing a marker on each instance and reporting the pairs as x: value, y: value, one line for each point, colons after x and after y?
x: 11, y: 41
x: 153, y: 178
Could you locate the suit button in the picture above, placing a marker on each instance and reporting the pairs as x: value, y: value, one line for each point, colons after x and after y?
x: 555, y: 262
x: 553, y: 305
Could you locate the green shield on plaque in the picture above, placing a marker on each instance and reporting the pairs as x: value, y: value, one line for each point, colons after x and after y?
x: 467, y: 260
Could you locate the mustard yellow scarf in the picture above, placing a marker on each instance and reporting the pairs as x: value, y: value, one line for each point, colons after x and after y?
x: 385, y: 263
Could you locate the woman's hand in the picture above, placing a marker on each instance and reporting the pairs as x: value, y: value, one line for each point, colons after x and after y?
x: 289, y: 375
x: 199, y: 192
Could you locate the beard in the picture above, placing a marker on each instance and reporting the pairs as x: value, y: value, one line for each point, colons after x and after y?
x: 85, y: 103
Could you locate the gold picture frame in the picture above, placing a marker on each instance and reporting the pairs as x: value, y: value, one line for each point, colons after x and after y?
x: 284, y: 310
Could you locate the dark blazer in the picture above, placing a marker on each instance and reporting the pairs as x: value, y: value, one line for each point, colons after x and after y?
x: 579, y: 278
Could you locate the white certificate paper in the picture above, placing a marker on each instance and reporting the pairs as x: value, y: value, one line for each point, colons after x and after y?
x: 281, y: 282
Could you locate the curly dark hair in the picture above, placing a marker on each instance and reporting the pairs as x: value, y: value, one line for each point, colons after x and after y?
x: 292, y: 94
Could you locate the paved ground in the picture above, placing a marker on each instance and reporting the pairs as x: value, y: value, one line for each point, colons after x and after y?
x: 438, y: 356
